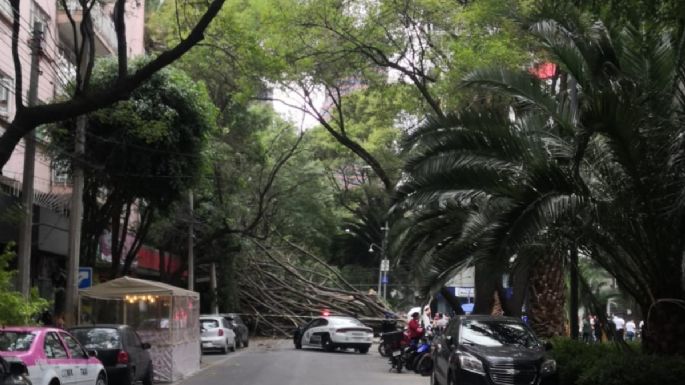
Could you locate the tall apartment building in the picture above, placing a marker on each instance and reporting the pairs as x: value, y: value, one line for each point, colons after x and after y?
x: 56, y: 64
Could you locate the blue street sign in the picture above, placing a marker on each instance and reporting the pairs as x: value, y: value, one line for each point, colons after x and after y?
x: 85, y: 277
x: 385, y: 280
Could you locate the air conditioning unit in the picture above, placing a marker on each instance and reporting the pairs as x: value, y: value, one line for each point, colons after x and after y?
x: 39, y: 26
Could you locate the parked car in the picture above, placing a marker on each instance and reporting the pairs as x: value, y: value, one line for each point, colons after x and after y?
x: 332, y: 332
x: 13, y: 372
x: 242, y: 333
x: 125, y: 357
x: 51, y: 355
x: 216, y: 334
x: 486, y: 350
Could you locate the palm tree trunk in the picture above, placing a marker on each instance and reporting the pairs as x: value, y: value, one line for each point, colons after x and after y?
x: 547, y: 297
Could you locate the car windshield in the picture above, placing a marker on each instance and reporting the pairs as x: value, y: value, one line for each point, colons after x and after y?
x: 497, y: 333
x: 209, y: 323
x: 98, y: 338
x: 16, y: 341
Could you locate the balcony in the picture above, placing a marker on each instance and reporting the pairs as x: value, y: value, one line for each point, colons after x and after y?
x: 101, y: 13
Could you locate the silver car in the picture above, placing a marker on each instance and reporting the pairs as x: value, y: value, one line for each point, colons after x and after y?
x: 216, y: 334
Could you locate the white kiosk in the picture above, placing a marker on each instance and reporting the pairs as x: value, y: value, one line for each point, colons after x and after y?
x: 165, y: 316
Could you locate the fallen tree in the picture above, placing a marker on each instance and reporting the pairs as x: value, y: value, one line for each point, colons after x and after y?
x: 285, y: 286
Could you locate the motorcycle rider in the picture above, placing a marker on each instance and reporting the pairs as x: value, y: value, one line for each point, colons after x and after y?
x: 414, y: 329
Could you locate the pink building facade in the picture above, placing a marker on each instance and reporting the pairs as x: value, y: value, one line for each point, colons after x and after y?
x: 52, y: 185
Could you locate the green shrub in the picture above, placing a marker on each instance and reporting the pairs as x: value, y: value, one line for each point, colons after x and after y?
x: 14, y: 308
x: 605, y: 364
x: 635, y: 369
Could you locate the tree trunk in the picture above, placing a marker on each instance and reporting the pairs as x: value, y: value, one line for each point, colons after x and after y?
x: 452, y: 301
x: 485, y: 282
x: 547, y: 297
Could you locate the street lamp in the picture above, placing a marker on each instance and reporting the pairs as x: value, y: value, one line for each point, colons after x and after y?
x: 380, y: 270
x: 385, y: 263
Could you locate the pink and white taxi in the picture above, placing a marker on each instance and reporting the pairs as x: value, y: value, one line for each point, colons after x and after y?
x: 52, y: 356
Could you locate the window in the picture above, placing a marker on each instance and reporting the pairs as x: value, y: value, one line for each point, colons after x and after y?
x: 209, y: 323
x: 60, y: 172
x: 98, y: 338
x: 75, y: 349
x: 39, y: 16
x: 15, y: 341
x: 6, y: 10
x: 132, y: 339
x: 53, y: 347
x: 5, y: 94
x: 497, y: 334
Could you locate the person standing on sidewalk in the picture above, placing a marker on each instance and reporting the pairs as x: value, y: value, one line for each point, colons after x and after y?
x: 620, y: 324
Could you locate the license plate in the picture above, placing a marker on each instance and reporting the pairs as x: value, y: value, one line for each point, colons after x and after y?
x: 207, y: 345
x: 397, y: 353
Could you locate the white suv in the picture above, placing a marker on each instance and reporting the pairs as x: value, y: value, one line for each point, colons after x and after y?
x: 330, y: 333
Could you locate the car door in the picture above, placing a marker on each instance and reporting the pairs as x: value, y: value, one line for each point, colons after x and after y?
x: 57, y: 359
x: 78, y: 358
x: 443, y: 350
x: 306, y: 331
x: 315, y: 332
x: 228, y: 331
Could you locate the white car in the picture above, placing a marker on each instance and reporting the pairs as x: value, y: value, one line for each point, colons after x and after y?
x: 52, y: 356
x: 330, y: 333
x: 216, y: 334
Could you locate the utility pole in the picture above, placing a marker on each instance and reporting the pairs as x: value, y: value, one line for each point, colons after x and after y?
x: 191, y: 257
x: 212, y: 283
x: 26, y: 224
x: 76, y: 203
x: 386, y: 262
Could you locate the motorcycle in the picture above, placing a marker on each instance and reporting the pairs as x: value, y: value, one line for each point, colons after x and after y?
x: 423, y: 361
x: 394, y: 346
x: 388, y: 326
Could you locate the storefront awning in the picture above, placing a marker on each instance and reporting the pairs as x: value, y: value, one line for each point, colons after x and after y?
x: 120, y: 287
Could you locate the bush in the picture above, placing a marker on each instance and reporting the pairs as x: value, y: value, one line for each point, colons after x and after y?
x: 14, y: 308
x: 605, y: 364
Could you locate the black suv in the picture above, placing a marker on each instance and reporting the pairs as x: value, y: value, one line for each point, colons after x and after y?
x: 242, y: 334
x: 487, y: 350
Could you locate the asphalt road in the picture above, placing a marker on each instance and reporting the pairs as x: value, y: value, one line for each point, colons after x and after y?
x: 276, y: 362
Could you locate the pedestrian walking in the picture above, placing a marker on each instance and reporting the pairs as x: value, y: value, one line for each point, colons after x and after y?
x: 630, y: 330
x: 598, y: 330
x: 587, y: 329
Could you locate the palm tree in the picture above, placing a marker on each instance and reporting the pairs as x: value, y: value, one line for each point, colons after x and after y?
x: 480, y: 189
x: 616, y: 189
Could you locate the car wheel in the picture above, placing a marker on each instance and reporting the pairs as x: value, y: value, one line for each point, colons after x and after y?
x: 102, y: 379
x: 233, y: 347
x: 149, y: 375
x: 327, y: 344
x: 224, y: 350
x: 364, y: 350
x: 237, y: 342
